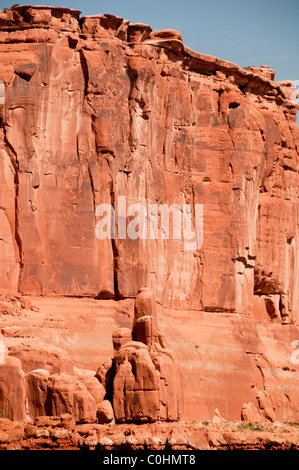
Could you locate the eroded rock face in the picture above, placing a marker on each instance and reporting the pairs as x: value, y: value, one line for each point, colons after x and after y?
x: 37, y: 389
x: 147, y: 382
x: 37, y: 355
x: 135, y: 385
x: 95, y: 388
x: 55, y: 390
x: 99, y: 109
x: 12, y: 389
x: 105, y: 413
x: 67, y: 394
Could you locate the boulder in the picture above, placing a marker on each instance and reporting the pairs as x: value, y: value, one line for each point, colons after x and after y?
x: 250, y: 413
x: 67, y: 394
x: 38, y: 355
x: 95, y: 388
x: 105, y: 412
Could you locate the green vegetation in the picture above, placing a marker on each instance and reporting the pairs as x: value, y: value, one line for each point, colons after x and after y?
x: 295, y: 425
x: 15, y: 5
x: 250, y: 426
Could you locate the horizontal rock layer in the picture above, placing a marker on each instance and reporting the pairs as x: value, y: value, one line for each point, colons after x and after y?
x: 228, y: 362
x: 62, y: 433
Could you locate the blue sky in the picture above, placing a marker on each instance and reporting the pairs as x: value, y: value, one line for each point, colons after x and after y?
x: 256, y: 32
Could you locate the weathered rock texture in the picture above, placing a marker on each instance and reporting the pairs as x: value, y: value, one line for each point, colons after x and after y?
x: 98, y: 109
x: 141, y: 384
x: 94, y: 108
x: 63, y: 433
x: 147, y: 384
x: 48, y: 391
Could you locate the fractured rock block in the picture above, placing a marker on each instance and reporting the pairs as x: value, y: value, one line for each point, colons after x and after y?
x: 250, y: 413
x: 120, y: 337
x: 266, y: 405
x: 36, y: 393
x: 170, y: 386
x: 105, y: 412
x: 138, y: 32
x: 95, y: 388
x: 12, y: 389
x: 135, y: 385
x: 104, y: 374
x: 146, y: 383
x: 38, y: 355
x: 271, y: 308
x: 67, y: 394
x: 143, y: 330
x: 145, y: 305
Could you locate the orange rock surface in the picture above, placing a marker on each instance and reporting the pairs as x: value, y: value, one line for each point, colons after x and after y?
x: 95, y: 108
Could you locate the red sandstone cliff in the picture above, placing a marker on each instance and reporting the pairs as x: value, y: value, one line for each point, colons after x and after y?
x: 96, y: 108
